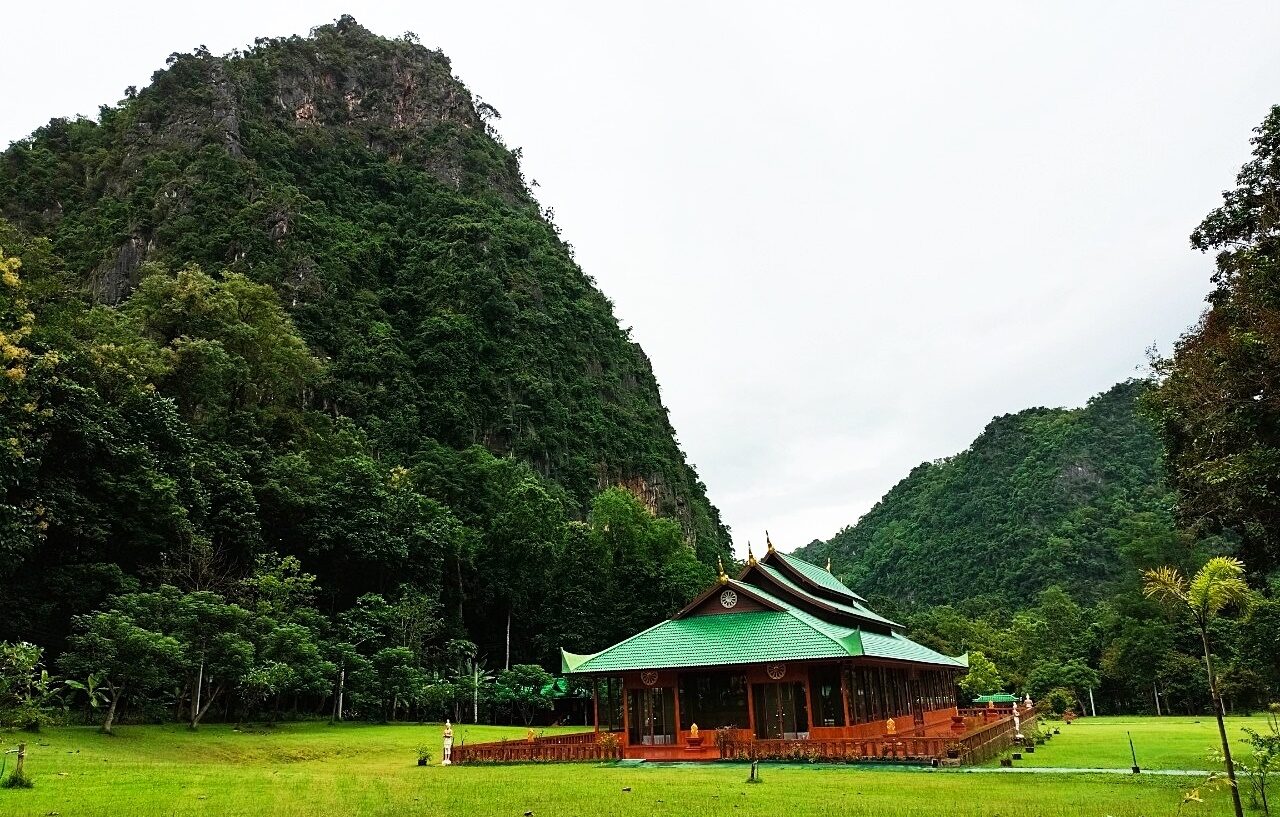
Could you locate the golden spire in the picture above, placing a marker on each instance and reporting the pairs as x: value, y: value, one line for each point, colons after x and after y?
x: 723, y: 578
x: 768, y: 541
x: 751, y: 557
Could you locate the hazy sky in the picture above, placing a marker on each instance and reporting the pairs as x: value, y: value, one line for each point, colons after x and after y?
x: 847, y: 235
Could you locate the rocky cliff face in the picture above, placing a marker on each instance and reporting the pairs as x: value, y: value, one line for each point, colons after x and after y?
x: 396, y: 98
x: 359, y: 178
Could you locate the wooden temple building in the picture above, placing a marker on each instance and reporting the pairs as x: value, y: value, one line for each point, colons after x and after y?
x: 782, y: 662
x: 782, y: 658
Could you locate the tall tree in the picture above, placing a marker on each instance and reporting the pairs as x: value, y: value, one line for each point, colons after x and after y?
x: 128, y: 657
x: 1218, y: 399
x: 1218, y: 585
x: 983, y: 678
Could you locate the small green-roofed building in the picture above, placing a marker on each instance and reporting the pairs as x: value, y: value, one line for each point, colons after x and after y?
x: 782, y: 651
x: 996, y: 698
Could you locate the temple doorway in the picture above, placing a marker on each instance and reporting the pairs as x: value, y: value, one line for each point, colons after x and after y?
x: 781, y: 711
x: 651, y: 716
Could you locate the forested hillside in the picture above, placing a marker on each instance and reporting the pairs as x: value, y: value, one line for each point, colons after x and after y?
x: 298, y: 302
x: 1067, y: 497
x: 1026, y: 550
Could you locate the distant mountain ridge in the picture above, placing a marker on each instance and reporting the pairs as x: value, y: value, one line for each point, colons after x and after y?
x: 1041, y: 497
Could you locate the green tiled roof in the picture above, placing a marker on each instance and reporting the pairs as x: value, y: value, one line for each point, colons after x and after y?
x: 569, y: 661
x: 853, y: 608
x: 898, y: 646
x: 997, y: 698
x: 789, y: 634
x: 817, y: 575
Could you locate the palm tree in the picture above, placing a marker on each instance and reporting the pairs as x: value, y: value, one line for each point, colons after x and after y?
x: 1219, y: 584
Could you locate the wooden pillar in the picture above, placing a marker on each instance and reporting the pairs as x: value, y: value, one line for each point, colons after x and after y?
x: 595, y: 700
x: 626, y: 714
x: 751, y: 708
x: 675, y: 696
x: 844, y: 694
x: 808, y: 701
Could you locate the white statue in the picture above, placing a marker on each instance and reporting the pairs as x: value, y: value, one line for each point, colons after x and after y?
x: 448, y: 743
x: 1017, y: 722
x: 1027, y: 701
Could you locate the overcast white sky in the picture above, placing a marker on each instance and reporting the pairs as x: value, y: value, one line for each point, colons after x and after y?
x: 848, y: 235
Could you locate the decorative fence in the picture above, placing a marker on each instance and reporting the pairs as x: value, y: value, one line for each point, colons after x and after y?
x: 988, y: 741
x: 983, y: 739
x: 575, y: 746
x: 836, y: 750
x: 979, y: 743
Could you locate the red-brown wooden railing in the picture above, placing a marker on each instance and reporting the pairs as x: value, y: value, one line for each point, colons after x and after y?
x: 575, y: 746
x: 980, y: 743
x: 988, y: 741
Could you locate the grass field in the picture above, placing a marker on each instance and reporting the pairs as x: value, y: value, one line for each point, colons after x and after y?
x: 311, y: 769
x: 1160, y: 743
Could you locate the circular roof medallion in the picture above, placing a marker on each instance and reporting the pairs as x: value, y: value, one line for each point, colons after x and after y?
x: 776, y: 671
x: 728, y: 599
x: 649, y: 678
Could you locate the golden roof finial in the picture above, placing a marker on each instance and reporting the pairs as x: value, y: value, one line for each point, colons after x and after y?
x: 768, y: 541
x: 751, y: 557
x: 828, y: 564
x: 723, y: 577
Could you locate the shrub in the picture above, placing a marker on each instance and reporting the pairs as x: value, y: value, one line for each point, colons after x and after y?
x: 1058, y: 700
x: 609, y: 742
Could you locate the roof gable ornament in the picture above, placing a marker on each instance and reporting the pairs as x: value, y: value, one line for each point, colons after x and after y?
x: 723, y: 578
x: 751, y: 557
x: 768, y: 541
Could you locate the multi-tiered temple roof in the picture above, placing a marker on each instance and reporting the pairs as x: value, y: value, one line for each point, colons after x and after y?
x: 779, y: 608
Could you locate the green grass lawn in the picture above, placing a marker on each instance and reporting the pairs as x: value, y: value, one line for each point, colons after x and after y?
x: 311, y: 769
x: 1161, y: 743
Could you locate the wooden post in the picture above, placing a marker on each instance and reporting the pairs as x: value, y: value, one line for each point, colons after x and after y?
x: 844, y: 695
x: 751, y: 709
x: 595, y: 701
x: 675, y: 696
x: 22, y: 756
x: 808, y: 702
x: 626, y: 706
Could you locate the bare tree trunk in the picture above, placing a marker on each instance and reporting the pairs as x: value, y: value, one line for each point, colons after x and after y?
x: 457, y: 563
x: 116, y: 694
x: 199, y: 713
x: 1156, y: 694
x: 337, y: 699
x: 1222, y: 727
x: 507, y: 663
x: 196, y: 711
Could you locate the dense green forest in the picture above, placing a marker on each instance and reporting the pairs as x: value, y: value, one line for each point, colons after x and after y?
x: 1028, y: 549
x: 1042, y: 497
x: 296, y: 307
